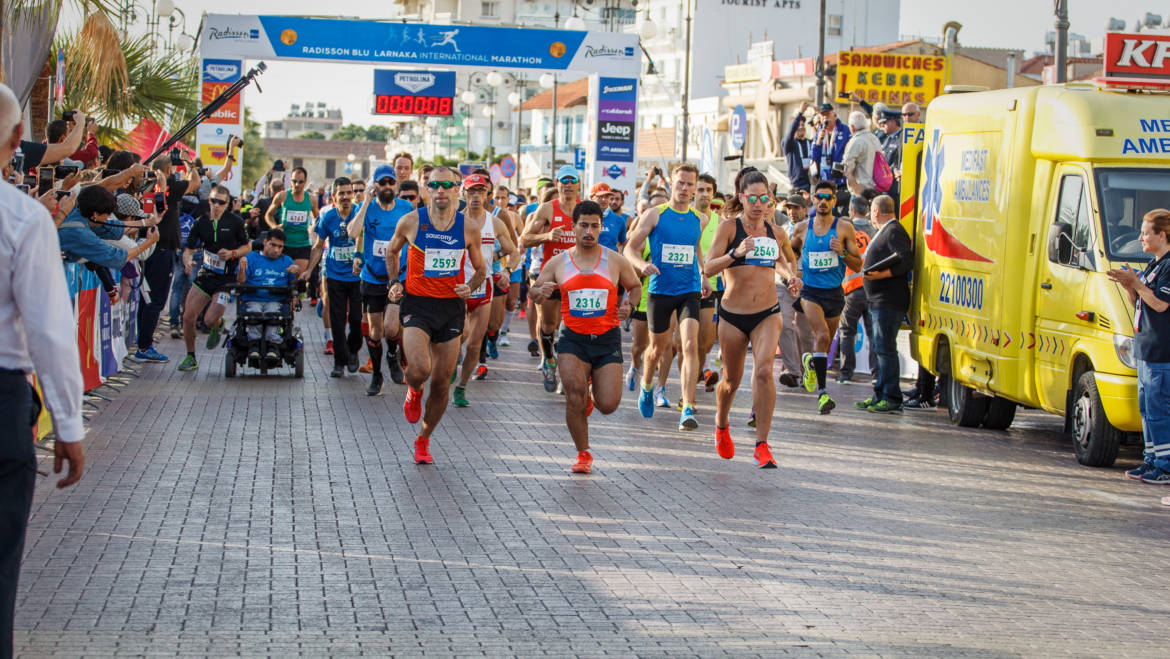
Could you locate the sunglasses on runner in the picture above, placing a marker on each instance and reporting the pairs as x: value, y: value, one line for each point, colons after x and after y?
x: 824, y: 196
x: 218, y: 202
x: 568, y: 179
x: 407, y: 197
x: 754, y: 198
x: 446, y: 185
x: 386, y: 180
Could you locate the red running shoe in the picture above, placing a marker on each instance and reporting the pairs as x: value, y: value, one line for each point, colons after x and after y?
x: 368, y: 367
x: 329, y: 347
x: 422, y: 453
x: 764, y: 458
x: 412, y: 406
x: 584, y: 463
x: 723, y: 444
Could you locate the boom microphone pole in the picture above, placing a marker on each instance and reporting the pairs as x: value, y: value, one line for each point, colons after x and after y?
x: 209, y: 109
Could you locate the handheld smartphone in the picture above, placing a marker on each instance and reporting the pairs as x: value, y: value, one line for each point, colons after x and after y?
x: 106, y: 173
x: 44, y: 179
x: 64, y: 171
x: 24, y: 188
x: 18, y: 162
x: 148, y: 203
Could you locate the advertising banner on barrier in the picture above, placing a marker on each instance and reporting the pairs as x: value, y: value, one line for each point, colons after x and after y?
x: 342, y: 40
x: 613, y: 104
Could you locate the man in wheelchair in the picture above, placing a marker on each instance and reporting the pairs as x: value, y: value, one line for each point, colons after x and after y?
x: 269, y: 267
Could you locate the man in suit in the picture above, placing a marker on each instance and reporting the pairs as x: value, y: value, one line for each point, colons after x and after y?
x: 887, y: 290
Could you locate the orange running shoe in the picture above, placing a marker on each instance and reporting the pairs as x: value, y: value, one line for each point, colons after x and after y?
x: 764, y: 458
x: 723, y: 444
x: 368, y: 368
x: 584, y: 463
x: 412, y: 406
x: 422, y: 453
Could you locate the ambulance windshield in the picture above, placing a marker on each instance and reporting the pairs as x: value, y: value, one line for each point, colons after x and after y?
x: 1126, y: 195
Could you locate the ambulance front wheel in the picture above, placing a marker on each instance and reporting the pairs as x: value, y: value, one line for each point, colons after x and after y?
x: 1095, y: 440
x: 964, y: 407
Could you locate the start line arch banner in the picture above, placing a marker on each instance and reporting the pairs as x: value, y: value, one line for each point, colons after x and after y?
x: 227, y: 40
x: 227, y: 36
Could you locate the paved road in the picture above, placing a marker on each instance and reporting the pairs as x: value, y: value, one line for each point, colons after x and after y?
x: 267, y: 516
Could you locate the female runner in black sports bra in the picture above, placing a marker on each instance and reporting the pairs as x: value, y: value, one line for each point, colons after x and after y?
x: 748, y: 249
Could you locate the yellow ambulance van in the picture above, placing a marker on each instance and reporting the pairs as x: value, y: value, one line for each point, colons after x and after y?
x: 1024, y: 199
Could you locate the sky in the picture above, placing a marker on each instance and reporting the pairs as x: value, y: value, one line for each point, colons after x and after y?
x: 992, y: 23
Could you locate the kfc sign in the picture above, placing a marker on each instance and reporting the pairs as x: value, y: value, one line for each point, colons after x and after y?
x: 1143, y: 58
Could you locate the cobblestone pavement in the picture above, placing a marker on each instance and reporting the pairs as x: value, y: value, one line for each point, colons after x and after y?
x: 270, y: 516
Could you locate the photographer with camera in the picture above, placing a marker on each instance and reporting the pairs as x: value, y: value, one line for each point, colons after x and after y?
x: 80, y: 241
x: 169, y: 189
x: 36, y: 154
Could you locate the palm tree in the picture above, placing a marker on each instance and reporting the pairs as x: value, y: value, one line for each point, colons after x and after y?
x: 159, y: 86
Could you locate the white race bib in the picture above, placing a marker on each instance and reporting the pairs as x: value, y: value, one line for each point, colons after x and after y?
x: 588, y: 302
x: 807, y: 162
x: 678, y: 254
x: 765, y: 251
x: 223, y: 299
x: 296, y: 217
x: 343, y: 254
x: 212, y: 262
x: 482, y: 290
x: 441, y: 262
x: 380, y: 247
x: 823, y: 260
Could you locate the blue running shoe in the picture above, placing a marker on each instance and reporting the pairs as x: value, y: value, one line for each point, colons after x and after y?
x: 646, y: 403
x: 1157, y: 476
x: 660, y: 398
x: 492, y: 350
x: 687, y: 420
x: 150, y: 355
x: 631, y: 378
x: 1141, y: 470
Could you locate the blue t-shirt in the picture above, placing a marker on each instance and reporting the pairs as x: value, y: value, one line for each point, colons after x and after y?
x: 339, y: 257
x: 674, y: 244
x: 379, y: 229
x: 613, y: 230
x: 263, y: 271
x: 821, y: 267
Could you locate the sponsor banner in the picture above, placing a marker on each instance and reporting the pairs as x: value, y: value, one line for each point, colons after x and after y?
x: 218, y: 75
x: 212, y: 142
x: 613, y: 108
x: 414, y: 83
x: 893, y: 79
x: 341, y: 40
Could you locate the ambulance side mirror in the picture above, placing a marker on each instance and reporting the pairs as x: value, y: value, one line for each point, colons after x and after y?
x: 1060, y: 243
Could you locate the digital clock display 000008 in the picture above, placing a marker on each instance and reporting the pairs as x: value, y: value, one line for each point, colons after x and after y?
x: 417, y: 105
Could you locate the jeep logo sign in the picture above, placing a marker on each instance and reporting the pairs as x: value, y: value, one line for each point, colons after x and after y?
x: 616, y: 131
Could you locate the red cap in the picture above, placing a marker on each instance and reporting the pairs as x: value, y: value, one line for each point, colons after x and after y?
x: 600, y: 188
x: 473, y: 180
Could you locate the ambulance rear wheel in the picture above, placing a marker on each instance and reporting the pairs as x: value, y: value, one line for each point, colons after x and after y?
x: 1000, y: 414
x: 1095, y: 440
x: 964, y: 408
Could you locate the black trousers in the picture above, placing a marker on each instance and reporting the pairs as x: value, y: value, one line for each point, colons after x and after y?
x: 157, y: 270
x: 17, y: 476
x: 345, y: 308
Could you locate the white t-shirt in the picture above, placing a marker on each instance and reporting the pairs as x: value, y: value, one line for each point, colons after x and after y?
x: 859, y: 153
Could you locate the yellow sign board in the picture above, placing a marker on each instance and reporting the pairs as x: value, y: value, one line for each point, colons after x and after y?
x: 891, y: 78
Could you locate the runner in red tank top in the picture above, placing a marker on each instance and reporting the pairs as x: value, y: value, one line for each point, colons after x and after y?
x: 589, y: 348
x: 550, y: 228
x: 434, y: 307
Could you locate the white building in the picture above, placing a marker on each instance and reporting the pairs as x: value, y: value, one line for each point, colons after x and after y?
x: 307, y: 118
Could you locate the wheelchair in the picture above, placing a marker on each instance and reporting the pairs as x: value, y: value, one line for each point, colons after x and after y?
x: 290, y: 351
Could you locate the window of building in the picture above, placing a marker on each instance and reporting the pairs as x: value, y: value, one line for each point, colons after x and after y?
x: 298, y: 162
x: 833, y: 24
x: 330, y: 169
x: 489, y: 9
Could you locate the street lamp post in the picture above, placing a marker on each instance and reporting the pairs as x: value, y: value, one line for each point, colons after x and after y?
x: 821, y: 58
x: 517, y: 99
x: 686, y: 99
x: 1061, y: 63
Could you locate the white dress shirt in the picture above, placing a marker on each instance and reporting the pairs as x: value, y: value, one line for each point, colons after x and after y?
x: 34, y: 303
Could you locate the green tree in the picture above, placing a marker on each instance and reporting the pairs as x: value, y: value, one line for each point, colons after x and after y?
x: 257, y: 160
x: 378, y: 133
x: 315, y: 135
x: 350, y: 133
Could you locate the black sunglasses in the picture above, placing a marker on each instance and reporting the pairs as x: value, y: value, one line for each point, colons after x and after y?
x: 386, y: 180
x: 218, y: 202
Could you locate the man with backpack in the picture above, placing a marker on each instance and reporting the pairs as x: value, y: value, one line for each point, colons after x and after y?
x: 890, y: 123
x: 865, y: 166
